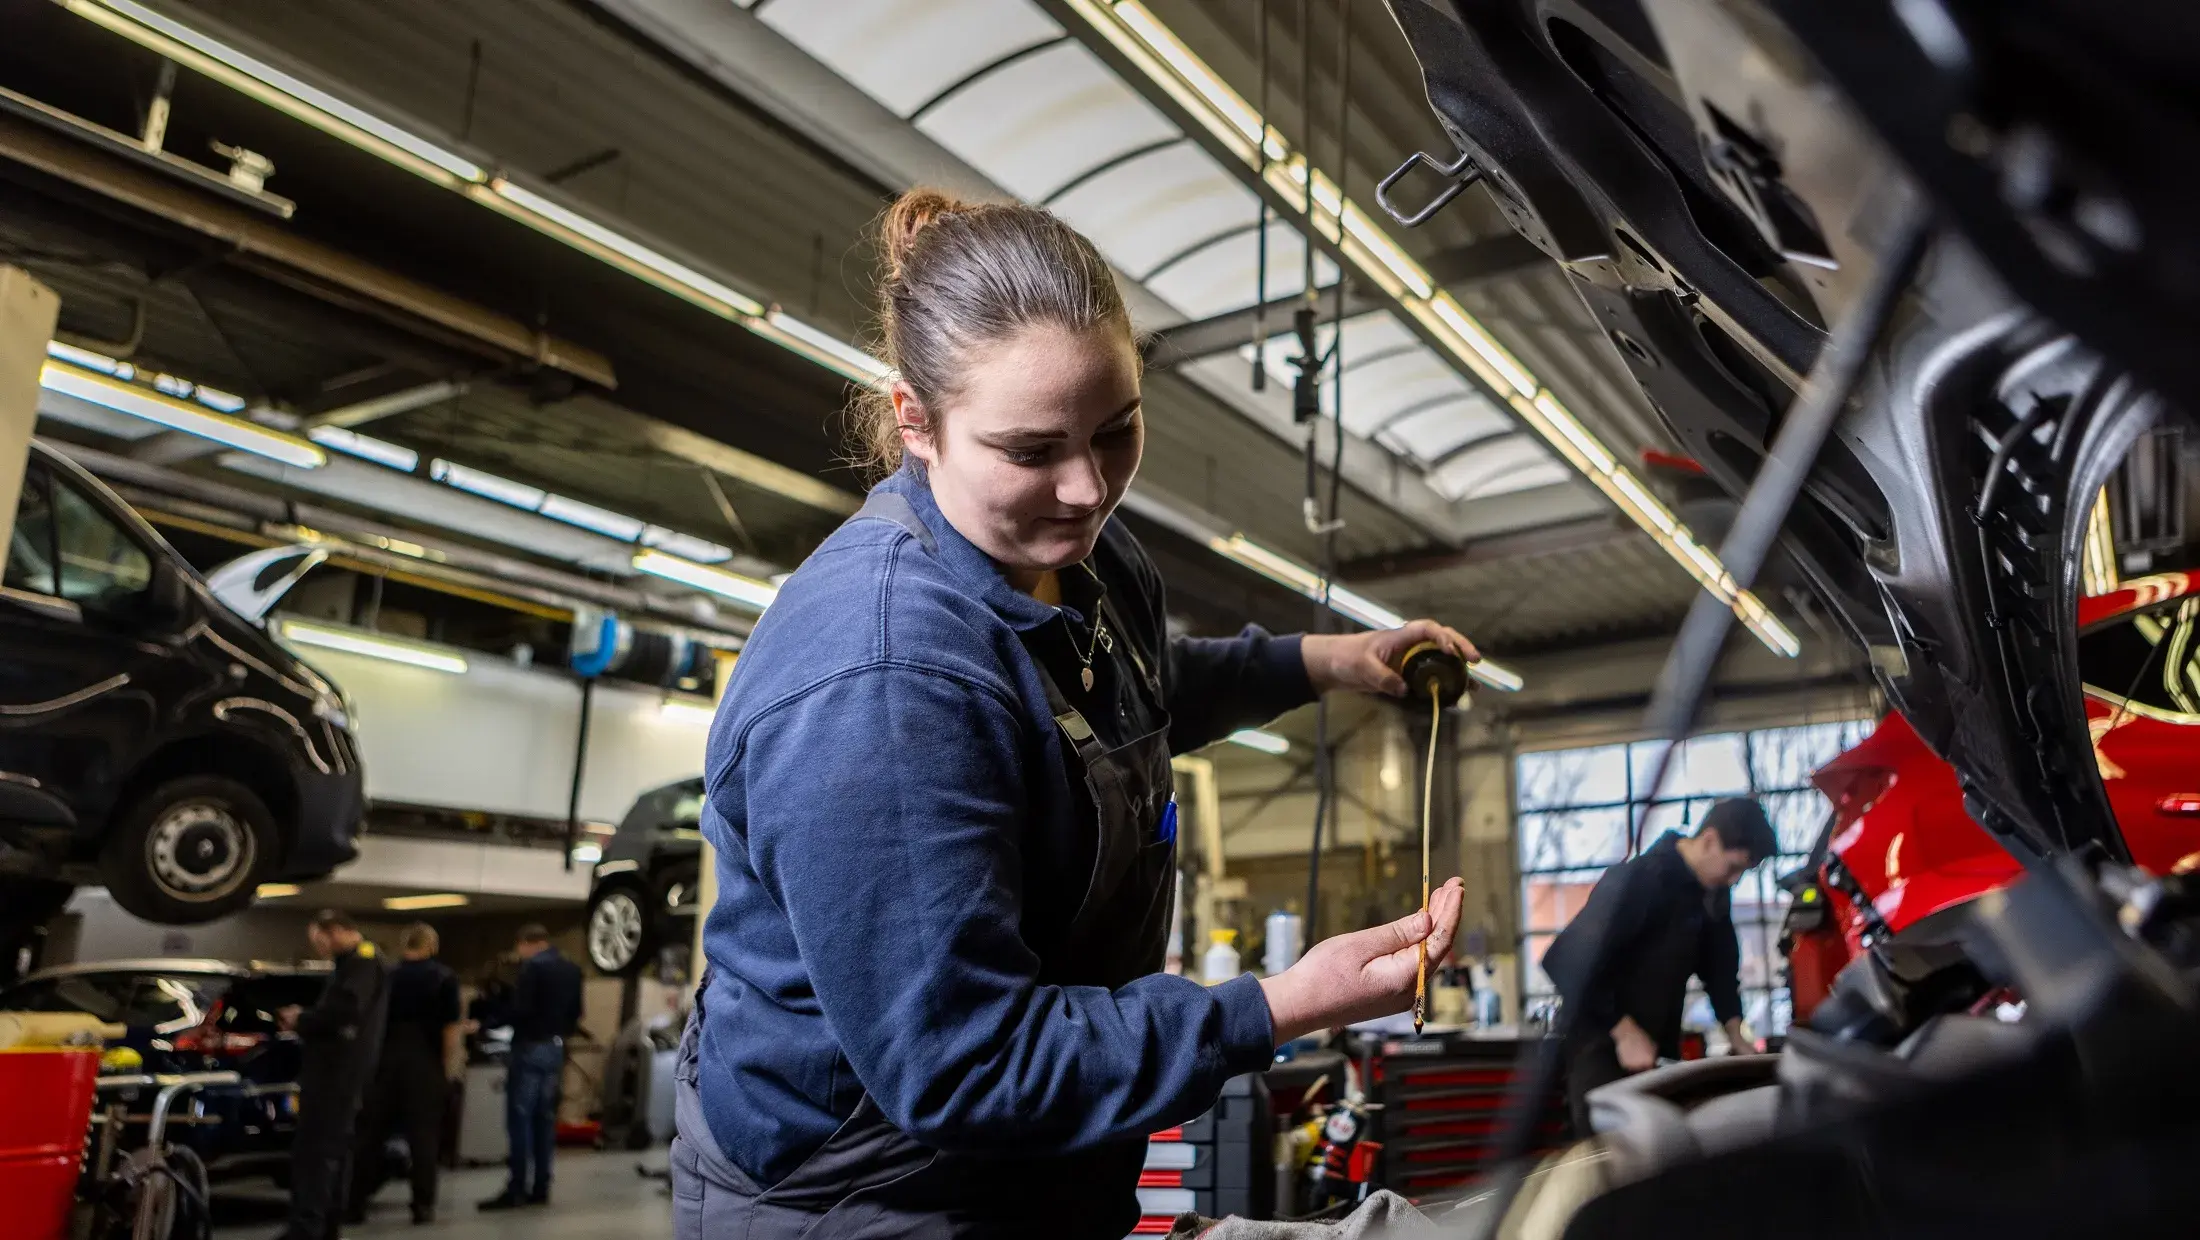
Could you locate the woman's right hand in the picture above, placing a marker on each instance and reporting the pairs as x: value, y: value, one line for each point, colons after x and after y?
x: 1360, y: 976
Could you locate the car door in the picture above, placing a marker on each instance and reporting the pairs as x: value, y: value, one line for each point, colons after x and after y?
x: 77, y: 678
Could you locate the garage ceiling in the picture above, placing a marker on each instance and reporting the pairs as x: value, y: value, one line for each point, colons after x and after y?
x: 555, y: 89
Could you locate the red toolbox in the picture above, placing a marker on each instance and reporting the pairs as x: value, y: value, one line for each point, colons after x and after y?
x: 42, y: 1128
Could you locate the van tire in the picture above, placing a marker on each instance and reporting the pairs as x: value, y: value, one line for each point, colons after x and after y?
x: 621, y: 928
x: 189, y: 851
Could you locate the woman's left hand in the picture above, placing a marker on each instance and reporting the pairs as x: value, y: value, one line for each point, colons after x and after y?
x: 1367, y: 662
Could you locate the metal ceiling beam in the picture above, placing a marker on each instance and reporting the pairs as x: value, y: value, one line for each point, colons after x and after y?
x: 1226, y: 333
x: 1487, y: 258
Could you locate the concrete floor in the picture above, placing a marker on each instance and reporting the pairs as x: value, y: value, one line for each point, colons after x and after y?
x: 596, y: 1194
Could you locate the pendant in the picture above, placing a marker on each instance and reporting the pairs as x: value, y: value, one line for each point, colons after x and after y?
x: 1088, y: 680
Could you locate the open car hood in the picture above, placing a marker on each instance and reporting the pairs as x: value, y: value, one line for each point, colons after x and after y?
x: 1718, y: 179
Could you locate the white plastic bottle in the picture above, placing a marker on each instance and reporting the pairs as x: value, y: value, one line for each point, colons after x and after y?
x: 1220, y: 964
x: 1283, y: 942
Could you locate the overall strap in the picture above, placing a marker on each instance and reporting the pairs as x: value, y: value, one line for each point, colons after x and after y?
x: 888, y: 506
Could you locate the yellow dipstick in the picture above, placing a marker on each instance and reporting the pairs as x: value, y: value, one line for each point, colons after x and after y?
x: 1428, y: 801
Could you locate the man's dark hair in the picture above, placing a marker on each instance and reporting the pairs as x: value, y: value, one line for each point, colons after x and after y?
x: 334, y: 919
x: 534, y: 932
x: 1740, y: 823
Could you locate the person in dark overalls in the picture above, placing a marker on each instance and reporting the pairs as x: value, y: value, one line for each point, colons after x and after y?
x: 412, y: 1085
x: 938, y: 788
x: 342, y: 1036
x: 1622, y: 965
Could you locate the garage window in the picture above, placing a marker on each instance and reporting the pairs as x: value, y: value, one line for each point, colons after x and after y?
x: 1581, y: 811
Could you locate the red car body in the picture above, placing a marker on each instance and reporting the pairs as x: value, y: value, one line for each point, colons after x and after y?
x: 1900, y: 846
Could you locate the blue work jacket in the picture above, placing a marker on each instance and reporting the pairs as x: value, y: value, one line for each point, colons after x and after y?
x: 895, y: 824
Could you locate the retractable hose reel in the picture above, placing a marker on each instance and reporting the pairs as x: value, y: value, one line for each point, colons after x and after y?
x: 1434, y: 675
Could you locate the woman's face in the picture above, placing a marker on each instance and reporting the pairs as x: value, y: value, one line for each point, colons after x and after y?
x: 1037, y: 447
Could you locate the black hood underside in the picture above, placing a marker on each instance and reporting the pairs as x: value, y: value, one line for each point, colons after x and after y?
x: 1721, y: 178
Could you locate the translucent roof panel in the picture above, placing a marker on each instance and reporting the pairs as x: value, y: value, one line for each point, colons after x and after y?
x: 1429, y: 434
x: 1149, y: 207
x: 1035, y: 123
x: 903, y: 52
x: 1501, y: 466
x: 1390, y: 387
x: 1223, y: 275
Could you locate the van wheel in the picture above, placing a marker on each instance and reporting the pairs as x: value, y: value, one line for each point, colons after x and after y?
x: 189, y: 851
x: 619, y: 924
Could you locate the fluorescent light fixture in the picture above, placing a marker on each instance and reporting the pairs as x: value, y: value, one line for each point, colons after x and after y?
x: 375, y: 646
x: 87, y: 359
x: 365, y: 447
x: 824, y: 348
x: 573, y: 512
x: 686, y: 546
x: 747, y: 591
x: 1266, y: 742
x: 1363, y: 609
x: 1503, y: 679
x: 587, y: 854
x: 623, y: 252
x: 417, y: 154
x: 275, y: 891
x: 1268, y: 564
x: 487, y: 485
x: 178, y: 415
x: 589, y: 517
x: 277, y: 89
x: 413, y: 904
x: 1149, y: 45
x: 687, y: 711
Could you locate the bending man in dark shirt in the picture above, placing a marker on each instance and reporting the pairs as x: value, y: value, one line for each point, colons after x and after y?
x: 1660, y: 917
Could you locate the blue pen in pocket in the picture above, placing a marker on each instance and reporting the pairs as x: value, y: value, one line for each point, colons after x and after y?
x: 1165, y: 833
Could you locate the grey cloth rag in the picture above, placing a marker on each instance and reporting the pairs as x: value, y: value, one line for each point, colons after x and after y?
x: 1384, y: 1214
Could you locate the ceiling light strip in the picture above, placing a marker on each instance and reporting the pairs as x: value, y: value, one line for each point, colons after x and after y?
x: 162, y: 409
x: 747, y: 591
x: 1154, y: 49
x: 1352, y: 605
x: 374, y: 646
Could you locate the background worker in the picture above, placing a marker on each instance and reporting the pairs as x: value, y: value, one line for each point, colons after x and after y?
x: 1659, y: 917
x: 421, y: 1055
x: 545, y: 1009
x: 939, y: 791
x: 342, y: 1033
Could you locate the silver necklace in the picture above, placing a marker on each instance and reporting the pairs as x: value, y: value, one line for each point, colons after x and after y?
x: 1099, y: 630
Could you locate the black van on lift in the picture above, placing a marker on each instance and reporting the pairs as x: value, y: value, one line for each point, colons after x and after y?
x: 151, y: 739
x: 646, y: 891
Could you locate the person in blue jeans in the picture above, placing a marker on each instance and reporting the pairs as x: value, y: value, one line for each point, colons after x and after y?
x: 546, y: 1008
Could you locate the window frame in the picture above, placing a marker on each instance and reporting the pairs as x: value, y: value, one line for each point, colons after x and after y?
x: 2167, y: 608
x: 36, y: 474
x: 118, y: 608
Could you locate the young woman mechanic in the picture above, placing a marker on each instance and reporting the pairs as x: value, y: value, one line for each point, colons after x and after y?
x: 939, y: 792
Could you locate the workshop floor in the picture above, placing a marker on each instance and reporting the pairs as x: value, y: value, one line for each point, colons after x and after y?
x: 596, y: 1195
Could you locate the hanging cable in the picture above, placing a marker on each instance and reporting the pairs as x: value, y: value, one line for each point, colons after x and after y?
x: 1306, y: 406
x: 1260, y: 260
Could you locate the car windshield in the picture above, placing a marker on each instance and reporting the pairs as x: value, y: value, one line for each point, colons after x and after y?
x: 164, y: 1002
x: 2148, y: 661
